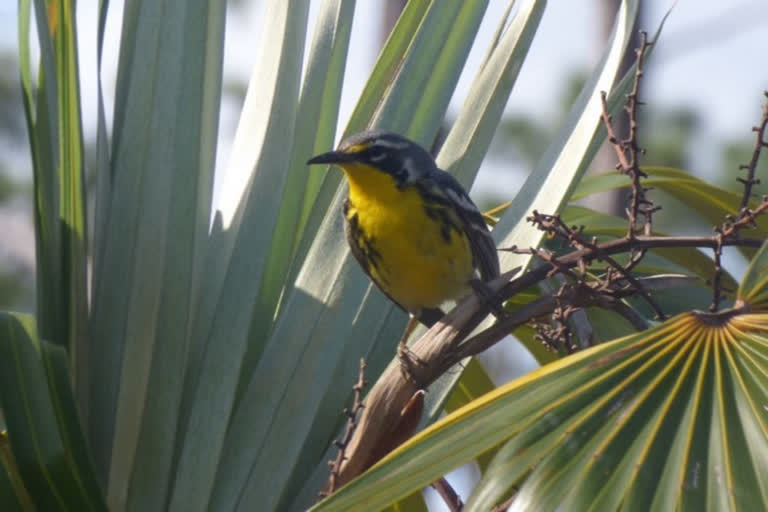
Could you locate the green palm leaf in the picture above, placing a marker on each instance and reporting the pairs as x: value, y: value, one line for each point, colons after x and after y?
x: 49, y: 449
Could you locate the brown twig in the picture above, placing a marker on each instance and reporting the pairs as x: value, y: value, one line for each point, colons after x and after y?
x: 542, y: 306
x: 639, y: 204
x: 545, y: 305
x: 760, y: 143
x: 341, y: 444
x: 558, y: 334
x: 449, y: 495
x: 628, y: 152
x: 729, y: 231
x: 745, y: 217
x: 717, y: 274
x: 553, y: 224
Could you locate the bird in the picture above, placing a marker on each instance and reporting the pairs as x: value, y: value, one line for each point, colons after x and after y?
x: 411, y: 226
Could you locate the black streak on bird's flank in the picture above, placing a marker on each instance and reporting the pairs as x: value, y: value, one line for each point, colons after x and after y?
x: 362, y: 246
x: 371, y: 253
x: 445, y: 231
x: 447, y: 224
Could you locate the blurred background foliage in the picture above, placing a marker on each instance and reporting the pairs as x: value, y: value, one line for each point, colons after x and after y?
x: 17, y: 246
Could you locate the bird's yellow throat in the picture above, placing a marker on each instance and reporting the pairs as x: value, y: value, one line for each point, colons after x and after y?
x: 419, y: 266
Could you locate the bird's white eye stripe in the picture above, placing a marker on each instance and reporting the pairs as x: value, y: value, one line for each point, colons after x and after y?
x: 390, y: 144
x: 377, y: 157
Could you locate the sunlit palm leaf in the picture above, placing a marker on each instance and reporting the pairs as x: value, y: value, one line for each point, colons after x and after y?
x: 156, y: 206
x: 658, y: 412
x: 318, y: 110
x: 52, y: 107
x: 473, y: 383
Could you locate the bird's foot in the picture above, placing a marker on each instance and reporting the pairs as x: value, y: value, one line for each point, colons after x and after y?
x: 411, y: 365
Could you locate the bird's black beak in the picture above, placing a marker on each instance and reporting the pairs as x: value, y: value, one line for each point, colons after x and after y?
x: 332, y: 157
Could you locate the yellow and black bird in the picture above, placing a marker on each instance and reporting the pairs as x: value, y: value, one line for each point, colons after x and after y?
x: 411, y: 226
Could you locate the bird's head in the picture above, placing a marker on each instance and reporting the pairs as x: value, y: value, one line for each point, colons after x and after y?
x: 380, y: 151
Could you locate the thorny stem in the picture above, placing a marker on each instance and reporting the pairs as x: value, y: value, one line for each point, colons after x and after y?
x: 628, y: 151
x: 760, y: 143
x: 717, y: 287
x: 352, y: 414
x: 745, y: 217
x: 729, y: 232
x: 638, y: 203
x: 554, y: 225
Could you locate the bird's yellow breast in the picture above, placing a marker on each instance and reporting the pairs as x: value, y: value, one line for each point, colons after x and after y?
x: 414, y: 256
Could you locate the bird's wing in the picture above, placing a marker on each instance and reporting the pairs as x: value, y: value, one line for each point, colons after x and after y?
x: 449, y: 191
